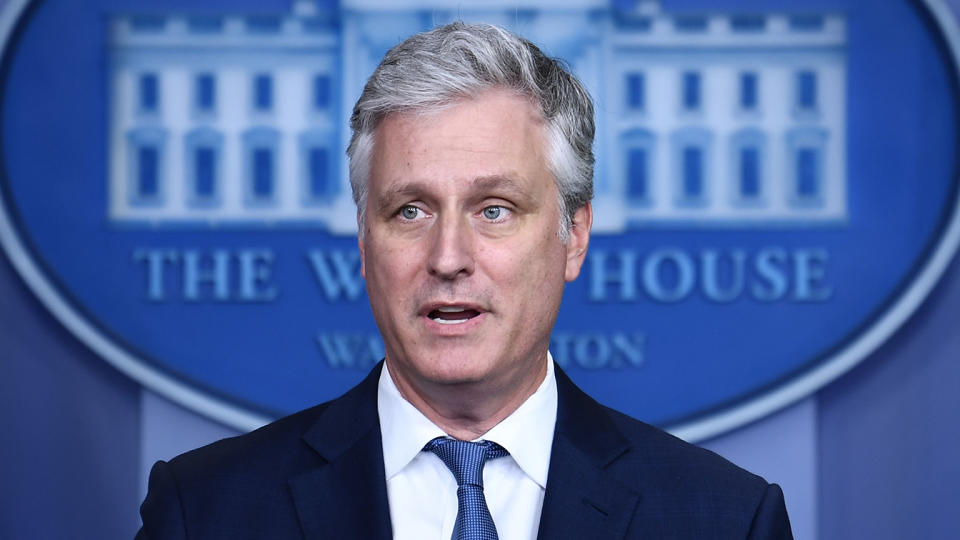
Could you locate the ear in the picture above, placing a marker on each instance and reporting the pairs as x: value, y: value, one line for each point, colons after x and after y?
x: 577, y: 243
x: 360, y: 244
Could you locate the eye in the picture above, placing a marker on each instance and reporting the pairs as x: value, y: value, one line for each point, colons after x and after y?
x: 410, y: 212
x: 494, y: 213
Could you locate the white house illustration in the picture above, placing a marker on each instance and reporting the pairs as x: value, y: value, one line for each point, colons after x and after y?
x: 703, y: 119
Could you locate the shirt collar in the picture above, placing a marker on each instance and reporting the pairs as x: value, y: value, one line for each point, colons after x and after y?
x: 527, y: 433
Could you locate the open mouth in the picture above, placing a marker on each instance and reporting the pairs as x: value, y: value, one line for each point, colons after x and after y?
x: 452, y: 315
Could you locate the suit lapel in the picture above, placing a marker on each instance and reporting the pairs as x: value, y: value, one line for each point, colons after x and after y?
x: 583, y: 500
x: 347, y: 496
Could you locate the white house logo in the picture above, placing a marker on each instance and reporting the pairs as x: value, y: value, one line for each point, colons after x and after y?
x: 775, y: 191
x: 713, y: 119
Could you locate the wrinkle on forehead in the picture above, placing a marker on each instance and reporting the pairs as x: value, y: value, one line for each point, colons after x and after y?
x: 490, y: 145
x: 420, y: 115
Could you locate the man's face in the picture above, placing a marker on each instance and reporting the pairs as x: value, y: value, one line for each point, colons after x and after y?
x: 464, y: 267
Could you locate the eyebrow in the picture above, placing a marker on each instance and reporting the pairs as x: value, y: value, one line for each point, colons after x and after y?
x: 407, y: 190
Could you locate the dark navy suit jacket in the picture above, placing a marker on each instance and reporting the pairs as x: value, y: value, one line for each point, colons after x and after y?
x: 319, y: 474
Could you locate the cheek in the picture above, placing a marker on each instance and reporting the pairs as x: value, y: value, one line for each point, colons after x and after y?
x: 395, y: 275
x: 384, y: 266
x: 529, y: 271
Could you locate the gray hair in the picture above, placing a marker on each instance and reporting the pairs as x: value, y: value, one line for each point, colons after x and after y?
x: 434, y: 69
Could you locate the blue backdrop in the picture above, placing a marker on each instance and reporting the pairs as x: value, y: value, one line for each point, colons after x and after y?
x: 79, y: 433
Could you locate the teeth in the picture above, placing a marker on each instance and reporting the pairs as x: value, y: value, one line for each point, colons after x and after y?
x: 451, y: 309
x: 450, y: 321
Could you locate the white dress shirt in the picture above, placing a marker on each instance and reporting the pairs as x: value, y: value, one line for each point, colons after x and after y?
x: 421, y: 489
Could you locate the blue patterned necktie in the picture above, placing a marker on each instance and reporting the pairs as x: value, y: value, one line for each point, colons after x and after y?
x: 465, y: 460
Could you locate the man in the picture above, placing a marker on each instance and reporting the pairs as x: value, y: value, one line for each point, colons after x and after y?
x: 471, y: 163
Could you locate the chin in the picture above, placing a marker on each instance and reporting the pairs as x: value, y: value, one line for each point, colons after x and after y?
x: 455, y: 368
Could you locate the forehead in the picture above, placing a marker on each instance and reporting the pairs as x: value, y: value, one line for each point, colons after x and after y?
x: 494, y: 135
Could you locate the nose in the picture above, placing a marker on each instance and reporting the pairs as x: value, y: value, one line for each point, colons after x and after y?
x: 452, y: 249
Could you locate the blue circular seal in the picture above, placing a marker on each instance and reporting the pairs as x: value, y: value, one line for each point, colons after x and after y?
x: 776, y: 192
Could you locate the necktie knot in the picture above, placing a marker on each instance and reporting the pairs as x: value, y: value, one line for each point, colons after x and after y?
x: 465, y: 459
